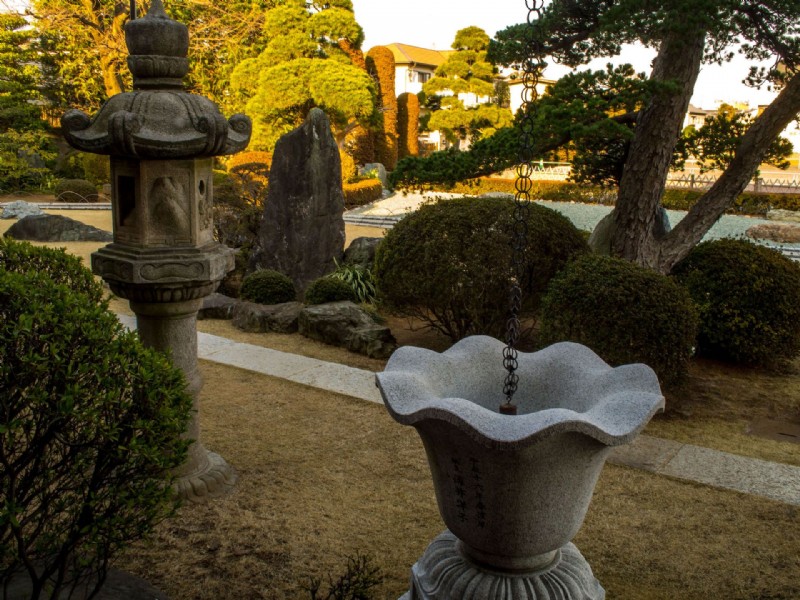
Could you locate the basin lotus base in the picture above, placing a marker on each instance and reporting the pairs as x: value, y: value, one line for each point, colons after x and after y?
x: 445, y: 573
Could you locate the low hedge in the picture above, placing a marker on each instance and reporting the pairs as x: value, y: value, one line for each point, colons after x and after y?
x: 674, y: 199
x: 75, y: 190
x: 362, y: 192
x: 268, y: 287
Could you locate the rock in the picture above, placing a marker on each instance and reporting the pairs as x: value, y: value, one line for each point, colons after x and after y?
x: 497, y: 195
x: 778, y: 214
x: 775, y: 232
x: 20, y: 209
x: 378, y: 170
x: 600, y: 240
x: 302, y: 230
x: 346, y: 325
x: 361, y: 252
x: 55, y: 228
x: 217, y: 306
x: 261, y: 318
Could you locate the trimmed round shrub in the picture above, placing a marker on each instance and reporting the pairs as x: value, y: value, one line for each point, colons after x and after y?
x: 92, y: 427
x: 329, y: 289
x: 449, y: 263
x: 23, y: 257
x: 748, y: 298
x: 624, y: 312
x: 75, y: 190
x: 268, y: 287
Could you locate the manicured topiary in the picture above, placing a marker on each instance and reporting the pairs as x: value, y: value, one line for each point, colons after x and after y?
x: 380, y: 65
x: 91, y: 428
x: 268, y: 287
x: 75, y: 190
x: 624, y: 312
x: 22, y: 257
x: 329, y: 289
x: 407, y: 125
x: 749, y: 301
x: 449, y: 263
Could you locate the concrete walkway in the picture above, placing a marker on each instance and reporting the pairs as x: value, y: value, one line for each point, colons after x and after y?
x: 665, y: 457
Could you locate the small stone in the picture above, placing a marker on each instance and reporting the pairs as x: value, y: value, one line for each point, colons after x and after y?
x: 376, y: 169
x: 346, y: 325
x: 361, y: 252
x: 20, y: 209
x: 217, y: 306
x: 261, y: 318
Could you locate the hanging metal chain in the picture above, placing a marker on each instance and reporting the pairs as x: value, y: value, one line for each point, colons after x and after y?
x: 532, y: 67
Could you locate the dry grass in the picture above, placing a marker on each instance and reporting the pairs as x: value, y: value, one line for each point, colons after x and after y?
x: 324, y: 476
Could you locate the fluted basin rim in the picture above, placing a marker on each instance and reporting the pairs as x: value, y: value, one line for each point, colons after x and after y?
x: 611, y: 405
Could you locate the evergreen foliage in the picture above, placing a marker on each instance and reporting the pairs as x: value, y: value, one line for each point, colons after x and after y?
x: 329, y: 289
x: 92, y: 426
x: 75, y: 190
x: 466, y: 71
x: 448, y: 264
x: 747, y: 297
x: 268, y: 287
x: 301, y: 67
x: 624, y: 312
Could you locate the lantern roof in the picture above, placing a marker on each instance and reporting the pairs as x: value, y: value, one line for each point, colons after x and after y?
x: 159, y: 119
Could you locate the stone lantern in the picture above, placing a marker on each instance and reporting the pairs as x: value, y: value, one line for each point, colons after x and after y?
x: 164, y: 260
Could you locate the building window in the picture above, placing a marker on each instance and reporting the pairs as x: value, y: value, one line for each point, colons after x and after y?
x: 422, y: 77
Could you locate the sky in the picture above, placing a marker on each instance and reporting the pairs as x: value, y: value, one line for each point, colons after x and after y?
x: 433, y: 24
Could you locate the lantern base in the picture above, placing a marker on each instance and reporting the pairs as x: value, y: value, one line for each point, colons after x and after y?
x: 212, y: 478
x: 444, y: 573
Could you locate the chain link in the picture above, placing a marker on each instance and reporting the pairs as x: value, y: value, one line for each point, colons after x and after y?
x: 532, y: 69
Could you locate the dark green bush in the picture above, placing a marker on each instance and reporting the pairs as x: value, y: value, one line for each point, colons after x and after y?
x: 75, y: 190
x: 268, y: 287
x: 449, y: 263
x: 329, y: 289
x: 624, y: 312
x: 749, y: 301
x: 91, y: 427
x: 22, y: 257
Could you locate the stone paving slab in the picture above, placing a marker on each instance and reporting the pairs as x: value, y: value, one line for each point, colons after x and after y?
x: 740, y: 473
x: 776, y: 481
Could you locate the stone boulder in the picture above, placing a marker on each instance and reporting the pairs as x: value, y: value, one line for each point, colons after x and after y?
x: 775, y: 232
x: 20, y: 209
x: 217, y: 306
x: 600, y: 239
x: 302, y: 230
x: 346, y: 325
x: 262, y: 318
x: 55, y: 228
x: 361, y: 252
x: 378, y: 169
x: 792, y: 216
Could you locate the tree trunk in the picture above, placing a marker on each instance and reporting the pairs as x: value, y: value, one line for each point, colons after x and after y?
x: 749, y: 155
x: 650, y: 155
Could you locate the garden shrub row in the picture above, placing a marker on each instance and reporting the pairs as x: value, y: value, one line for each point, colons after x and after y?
x: 747, y: 203
x: 448, y: 265
x: 362, y: 192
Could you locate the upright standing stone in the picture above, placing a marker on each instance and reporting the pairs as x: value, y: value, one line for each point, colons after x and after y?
x: 302, y: 231
x: 164, y: 258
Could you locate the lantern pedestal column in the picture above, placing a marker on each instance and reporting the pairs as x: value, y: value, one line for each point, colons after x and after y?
x: 172, y: 328
x: 166, y: 288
